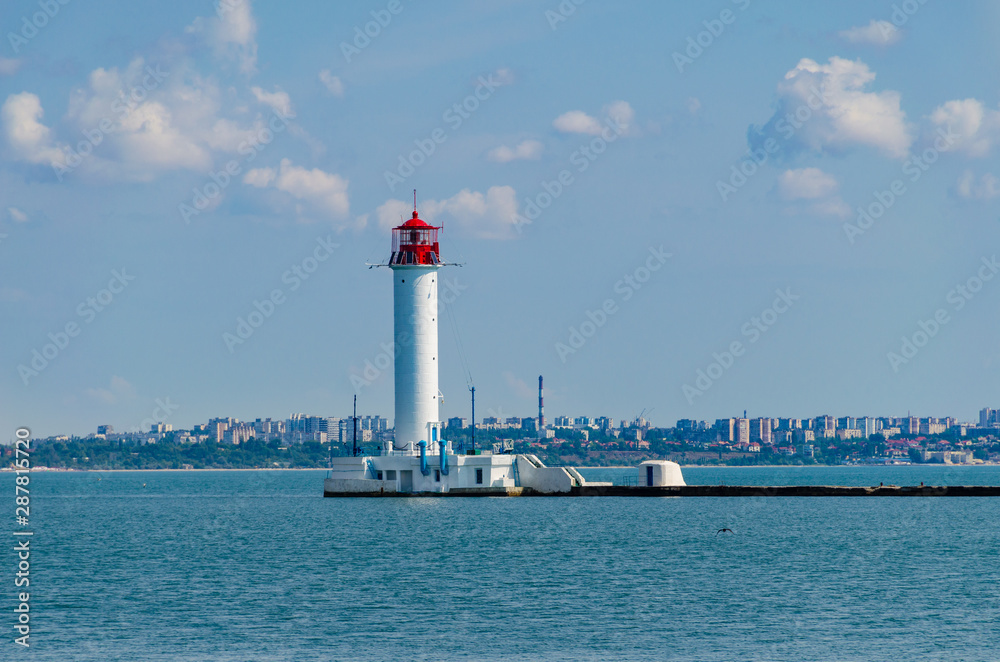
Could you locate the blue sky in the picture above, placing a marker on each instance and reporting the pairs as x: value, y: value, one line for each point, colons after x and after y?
x: 235, y: 151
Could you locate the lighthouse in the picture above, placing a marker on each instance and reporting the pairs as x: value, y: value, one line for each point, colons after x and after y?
x: 419, y: 460
x: 415, y: 261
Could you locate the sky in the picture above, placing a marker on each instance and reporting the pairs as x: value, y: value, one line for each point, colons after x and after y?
x: 689, y: 210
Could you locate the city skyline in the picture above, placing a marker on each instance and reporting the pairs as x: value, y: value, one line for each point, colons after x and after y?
x: 987, y: 418
x: 685, y: 210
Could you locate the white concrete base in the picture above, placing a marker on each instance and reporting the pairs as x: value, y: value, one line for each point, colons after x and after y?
x: 660, y: 473
x: 400, y: 473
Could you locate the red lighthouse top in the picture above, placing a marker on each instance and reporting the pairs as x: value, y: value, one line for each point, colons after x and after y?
x: 415, y: 242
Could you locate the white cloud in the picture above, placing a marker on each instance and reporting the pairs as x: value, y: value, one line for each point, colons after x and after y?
x: 277, y: 101
x: 876, y: 33
x: 503, y: 76
x: 693, y: 105
x: 577, y: 121
x: 260, y: 177
x: 806, y: 184
x: 622, y: 114
x: 9, y: 66
x: 28, y: 138
x: 977, y: 128
x: 395, y: 212
x: 324, y: 192
x: 811, y: 191
x: 529, y: 149
x: 986, y: 187
x: 120, y: 389
x: 17, y: 215
x: 489, y: 216
x: 826, y: 108
x: 232, y: 32
x: 332, y: 83
x: 138, y: 122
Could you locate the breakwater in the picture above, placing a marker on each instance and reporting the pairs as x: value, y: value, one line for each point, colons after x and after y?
x: 707, y: 491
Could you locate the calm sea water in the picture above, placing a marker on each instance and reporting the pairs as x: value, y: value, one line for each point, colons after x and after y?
x: 258, y: 566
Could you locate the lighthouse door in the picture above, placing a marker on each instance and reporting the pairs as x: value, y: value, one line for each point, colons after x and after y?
x: 405, y: 481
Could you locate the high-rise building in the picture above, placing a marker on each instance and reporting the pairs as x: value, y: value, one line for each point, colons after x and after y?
x: 825, y: 426
x: 846, y: 423
x: 741, y: 431
x: 724, y: 429
x: 760, y: 430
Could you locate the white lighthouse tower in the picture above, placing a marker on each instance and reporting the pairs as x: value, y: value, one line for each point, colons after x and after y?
x: 415, y: 261
x: 419, y: 461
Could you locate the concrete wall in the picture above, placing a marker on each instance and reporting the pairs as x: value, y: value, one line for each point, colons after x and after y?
x: 342, y: 485
x: 536, y: 476
x: 665, y: 474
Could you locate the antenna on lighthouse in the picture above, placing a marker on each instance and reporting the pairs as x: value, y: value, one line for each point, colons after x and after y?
x: 414, y: 199
x: 473, y: 389
x: 354, y: 450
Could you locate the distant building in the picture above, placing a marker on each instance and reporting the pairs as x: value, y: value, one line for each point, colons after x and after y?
x: 686, y: 425
x: 824, y: 426
x: 458, y: 422
x: 724, y: 429
x: 760, y: 430
x: 105, y: 429
x: 932, y: 428
x: 374, y: 423
x: 948, y: 457
x: 741, y: 431
x: 802, y: 436
x: 783, y: 437
x: 789, y: 424
x: 848, y: 433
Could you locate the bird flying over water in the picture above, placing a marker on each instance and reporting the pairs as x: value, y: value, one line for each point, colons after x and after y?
x: 721, y: 530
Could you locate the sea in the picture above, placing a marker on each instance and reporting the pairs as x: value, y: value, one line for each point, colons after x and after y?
x: 257, y: 565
